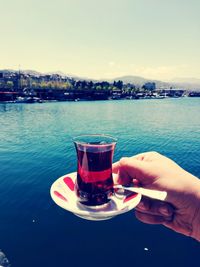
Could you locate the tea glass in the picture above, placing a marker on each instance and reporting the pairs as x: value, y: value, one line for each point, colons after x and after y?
x: 94, y: 184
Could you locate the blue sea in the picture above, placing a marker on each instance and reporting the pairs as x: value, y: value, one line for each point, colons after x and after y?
x: 36, y: 149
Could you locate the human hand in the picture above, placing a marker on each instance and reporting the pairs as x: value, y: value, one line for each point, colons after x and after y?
x: 181, y: 209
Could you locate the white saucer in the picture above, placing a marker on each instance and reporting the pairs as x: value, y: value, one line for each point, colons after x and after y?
x: 63, y: 194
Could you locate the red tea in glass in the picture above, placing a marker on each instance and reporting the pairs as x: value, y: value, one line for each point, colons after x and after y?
x: 94, y: 184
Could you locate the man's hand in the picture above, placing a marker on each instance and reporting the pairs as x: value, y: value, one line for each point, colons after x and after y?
x: 181, y: 210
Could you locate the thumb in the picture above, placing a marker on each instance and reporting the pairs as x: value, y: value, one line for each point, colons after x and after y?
x: 132, y: 168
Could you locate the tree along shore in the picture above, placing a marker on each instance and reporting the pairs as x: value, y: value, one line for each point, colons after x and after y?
x: 18, y: 87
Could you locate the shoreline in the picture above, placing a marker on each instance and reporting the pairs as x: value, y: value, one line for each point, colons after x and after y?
x: 42, y: 101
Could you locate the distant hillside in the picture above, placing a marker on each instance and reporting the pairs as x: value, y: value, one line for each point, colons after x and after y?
x: 185, y: 84
x: 31, y: 72
x: 180, y: 83
x: 189, y: 83
x: 187, y: 80
x: 137, y: 80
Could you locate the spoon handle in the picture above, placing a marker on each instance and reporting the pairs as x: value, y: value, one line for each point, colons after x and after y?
x: 155, y: 194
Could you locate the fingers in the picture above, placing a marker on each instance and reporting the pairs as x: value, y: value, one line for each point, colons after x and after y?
x: 154, y: 212
x: 155, y: 207
x: 132, y: 168
x: 115, y: 167
x: 150, y: 219
x: 148, y: 156
x: 141, y: 156
x: 137, y: 167
x: 122, y: 177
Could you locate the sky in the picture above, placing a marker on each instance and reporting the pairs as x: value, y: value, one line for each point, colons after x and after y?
x: 102, y: 39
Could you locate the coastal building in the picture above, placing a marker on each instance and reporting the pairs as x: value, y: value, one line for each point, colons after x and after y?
x: 172, y: 92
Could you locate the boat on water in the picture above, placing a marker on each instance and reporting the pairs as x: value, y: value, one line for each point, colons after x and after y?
x: 30, y: 99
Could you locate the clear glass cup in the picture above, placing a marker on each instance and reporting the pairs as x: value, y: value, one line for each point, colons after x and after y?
x: 94, y: 184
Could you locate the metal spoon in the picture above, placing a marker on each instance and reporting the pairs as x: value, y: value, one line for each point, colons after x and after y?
x: 155, y: 194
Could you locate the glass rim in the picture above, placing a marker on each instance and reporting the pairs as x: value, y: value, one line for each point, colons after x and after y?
x: 77, y: 139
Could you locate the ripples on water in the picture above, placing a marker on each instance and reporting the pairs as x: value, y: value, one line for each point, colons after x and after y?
x: 36, y: 148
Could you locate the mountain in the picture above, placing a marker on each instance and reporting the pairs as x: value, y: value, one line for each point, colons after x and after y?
x: 178, y: 83
x: 32, y: 72
x: 130, y: 79
x: 186, y: 80
x: 59, y: 73
x: 139, y: 81
x: 188, y: 83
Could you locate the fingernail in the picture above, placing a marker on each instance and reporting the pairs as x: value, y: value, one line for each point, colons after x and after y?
x: 164, y: 211
x: 141, y: 206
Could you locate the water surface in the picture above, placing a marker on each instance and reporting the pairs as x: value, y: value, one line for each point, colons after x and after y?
x: 36, y: 149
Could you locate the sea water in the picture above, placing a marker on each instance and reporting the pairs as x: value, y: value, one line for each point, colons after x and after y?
x: 36, y: 148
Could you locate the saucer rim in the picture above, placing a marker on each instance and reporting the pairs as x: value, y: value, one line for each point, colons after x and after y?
x: 88, y: 211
